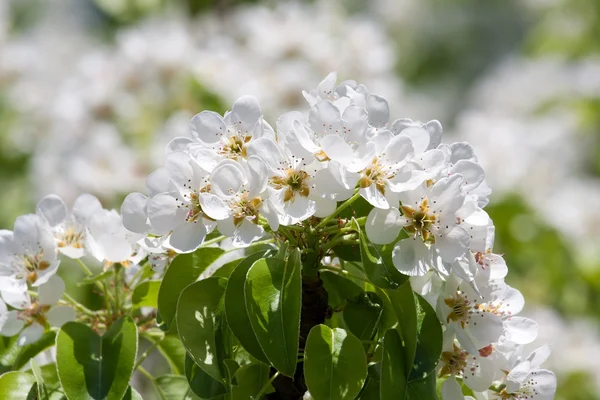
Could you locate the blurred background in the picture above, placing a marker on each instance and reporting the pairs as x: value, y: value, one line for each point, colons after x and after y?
x: 92, y: 90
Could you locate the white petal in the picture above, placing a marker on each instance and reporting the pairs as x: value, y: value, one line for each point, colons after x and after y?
x: 50, y: 292
x: 420, y: 138
x: 383, y: 226
x: 208, y: 126
x: 268, y: 151
x: 304, y: 138
x: 134, y: 213
x: 60, y: 315
x: 411, y: 257
x: 325, y: 88
x: 337, y: 149
x: 12, y: 324
x: 538, y: 356
x: 214, y: 206
x: 520, y: 330
x: 187, y: 237
x: 46, y: 274
x: 378, y: 109
x: 19, y: 300
x: 165, y: 213
x: 245, y: 113
x: 158, y: 182
x: 325, y: 118
x: 85, y: 206
x: 479, y: 373
x: 246, y: 233
x: 451, y: 390
x: 300, y: 208
x: 53, y: 209
x: 471, y: 171
x: 374, y: 196
x: 448, y: 194
x: 453, y: 243
x: 31, y: 334
x: 178, y: 144
x: 258, y: 176
x: 324, y: 207
x: 270, y: 212
x: 226, y: 227
x: 399, y: 149
x: 227, y: 178
x: 484, y: 328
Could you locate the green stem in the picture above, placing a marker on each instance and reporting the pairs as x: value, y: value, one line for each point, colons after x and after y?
x: 152, y: 380
x: 146, y: 353
x: 79, y: 306
x: 266, y: 386
x: 341, y: 208
x: 213, y: 241
x: 252, y: 245
x: 84, y: 267
x: 350, y: 238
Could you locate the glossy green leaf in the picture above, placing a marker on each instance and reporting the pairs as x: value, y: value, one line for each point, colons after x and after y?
x: 380, y: 273
x: 370, y: 390
x: 94, y: 367
x: 250, y: 379
x: 429, y: 340
x: 422, y: 389
x: 146, y: 294
x: 339, y: 289
x: 200, y: 382
x: 362, y: 314
x: 132, y: 394
x: 174, y: 387
x: 16, y: 385
x: 33, y: 349
x: 403, y: 302
x: 200, y: 318
x: 335, y: 364
x: 174, y: 352
x: 184, y: 270
x: 236, y: 311
x: 394, y: 384
x: 273, y: 293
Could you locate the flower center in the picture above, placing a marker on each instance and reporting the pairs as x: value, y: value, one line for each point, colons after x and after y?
x: 460, y: 307
x: 375, y: 173
x: 421, y: 220
x: 71, y: 237
x: 295, y: 181
x: 246, y: 208
x: 455, y: 361
x: 235, y: 147
x: 35, y: 312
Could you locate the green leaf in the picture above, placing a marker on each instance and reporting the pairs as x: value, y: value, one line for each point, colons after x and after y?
x: 339, y: 289
x: 362, y: 315
x: 174, y: 352
x: 250, y: 379
x: 199, y: 321
x: 88, y: 280
x: 146, y: 294
x: 403, y: 302
x: 201, y: 383
x: 174, y: 387
x: 9, y: 351
x: 370, y: 390
x: 39, y: 379
x: 16, y: 385
x: 335, y: 365
x: 227, y: 269
x: 184, y: 270
x: 132, y: 394
x: 236, y: 311
x: 94, y: 367
x: 33, y: 349
x: 273, y: 294
x: 380, y: 273
x: 429, y: 340
x: 394, y: 374
x: 423, y: 389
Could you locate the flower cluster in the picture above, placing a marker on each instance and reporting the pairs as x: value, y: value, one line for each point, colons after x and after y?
x: 245, y: 178
x: 248, y: 179
x: 31, y: 253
